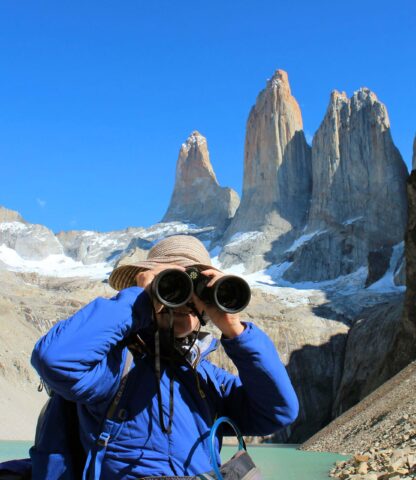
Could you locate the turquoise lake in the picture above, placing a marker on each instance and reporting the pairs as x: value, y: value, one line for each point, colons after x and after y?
x: 277, y: 462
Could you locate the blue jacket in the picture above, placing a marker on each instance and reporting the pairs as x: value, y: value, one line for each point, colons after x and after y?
x: 82, y: 359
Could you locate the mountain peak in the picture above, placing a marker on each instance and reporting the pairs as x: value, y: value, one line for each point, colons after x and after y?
x: 279, y: 81
x: 275, y: 151
x: 337, y: 95
x: 193, y: 162
x: 195, y: 139
x: 197, y: 197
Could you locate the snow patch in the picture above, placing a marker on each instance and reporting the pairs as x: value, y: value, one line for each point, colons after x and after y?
x: 58, y: 265
x: 352, y: 220
x: 161, y: 230
x: 12, y: 226
x: 303, y: 239
x: 241, y: 237
x: 386, y: 283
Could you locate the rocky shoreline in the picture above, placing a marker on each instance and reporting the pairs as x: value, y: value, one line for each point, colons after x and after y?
x: 381, y: 429
x: 379, y: 464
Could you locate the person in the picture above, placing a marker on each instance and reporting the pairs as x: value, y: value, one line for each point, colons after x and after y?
x: 170, y: 400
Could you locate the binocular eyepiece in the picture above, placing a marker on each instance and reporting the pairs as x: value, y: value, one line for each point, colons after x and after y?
x: 174, y: 288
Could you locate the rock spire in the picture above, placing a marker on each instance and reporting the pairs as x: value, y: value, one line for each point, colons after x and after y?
x: 277, y: 171
x: 197, y: 197
x: 358, y: 202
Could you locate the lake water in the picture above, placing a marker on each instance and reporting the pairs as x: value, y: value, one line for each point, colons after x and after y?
x: 277, y: 462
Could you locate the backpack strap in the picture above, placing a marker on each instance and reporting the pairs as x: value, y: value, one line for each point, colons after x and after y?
x: 109, y: 428
x: 212, y: 437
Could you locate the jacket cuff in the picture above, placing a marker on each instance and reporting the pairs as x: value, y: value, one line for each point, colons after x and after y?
x: 239, y: 340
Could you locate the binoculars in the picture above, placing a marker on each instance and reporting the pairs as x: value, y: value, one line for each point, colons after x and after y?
x: 174, y: 288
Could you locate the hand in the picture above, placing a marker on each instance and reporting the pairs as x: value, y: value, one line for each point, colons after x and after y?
x: 145, y: 278
x: 229, y: 323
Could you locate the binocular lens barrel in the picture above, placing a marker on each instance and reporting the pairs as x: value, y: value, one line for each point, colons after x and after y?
x: 231, y: 294
x: 174, y: 288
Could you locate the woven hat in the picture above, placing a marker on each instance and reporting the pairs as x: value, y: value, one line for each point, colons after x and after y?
x: 182, y: 250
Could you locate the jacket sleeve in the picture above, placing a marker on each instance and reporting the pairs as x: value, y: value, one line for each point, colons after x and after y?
x: 81, y: 358
x: 261, y: 399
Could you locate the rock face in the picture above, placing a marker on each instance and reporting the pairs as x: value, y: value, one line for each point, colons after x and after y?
x: 7, y: 215
x: 93, y: 247
x: 369, y: 342
x: 381, y: 342
x: 197, y: 197
x: 29, y: 241
x: 277, y: 171
x: 403, y: 349
x: 358, y: 203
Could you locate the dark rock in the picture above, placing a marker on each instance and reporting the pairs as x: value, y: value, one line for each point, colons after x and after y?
x: 378, y: 264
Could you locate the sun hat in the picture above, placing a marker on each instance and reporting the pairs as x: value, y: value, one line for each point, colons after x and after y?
x: 182, y: 250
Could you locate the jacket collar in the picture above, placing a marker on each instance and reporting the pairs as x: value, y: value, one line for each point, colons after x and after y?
x: 202, y: 347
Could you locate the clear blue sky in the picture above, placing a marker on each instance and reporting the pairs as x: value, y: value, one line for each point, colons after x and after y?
x: 96, y: 97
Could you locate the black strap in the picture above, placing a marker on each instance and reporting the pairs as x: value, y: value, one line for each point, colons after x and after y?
x: 200, y: 316
x: 173, y: 355
x: 165, y: 429
x: 117, y: 397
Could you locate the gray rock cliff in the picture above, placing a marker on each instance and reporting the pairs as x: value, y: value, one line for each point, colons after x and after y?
x: 369, y: 341
x: 403, y: 348
x: 29, y: 241
x: 197, y: 196
x: 92, y: 247
x: 358, y: 204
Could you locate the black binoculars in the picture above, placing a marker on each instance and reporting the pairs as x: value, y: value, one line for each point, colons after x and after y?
x: 174, y: 288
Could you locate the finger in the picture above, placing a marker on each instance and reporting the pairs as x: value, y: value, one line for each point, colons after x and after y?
x: 211, y: 271
x: 213, y: 274
x: 213, y: 281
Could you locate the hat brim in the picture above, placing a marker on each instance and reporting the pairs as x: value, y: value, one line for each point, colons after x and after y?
x: 125, y: 276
